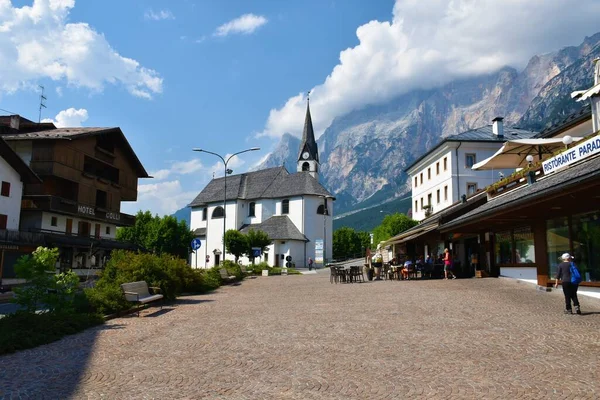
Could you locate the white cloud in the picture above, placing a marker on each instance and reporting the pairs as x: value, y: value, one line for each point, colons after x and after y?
x: 430, y: 43
x: 181, y: 168
x: 158, y: 15
x: 163, y: 198
x: 59, y: 91
x: 70, y: 117
x: 246, y: 24
x: 38, y: 42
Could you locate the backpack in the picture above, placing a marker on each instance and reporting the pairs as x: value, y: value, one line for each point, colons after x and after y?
x: 575, y: 275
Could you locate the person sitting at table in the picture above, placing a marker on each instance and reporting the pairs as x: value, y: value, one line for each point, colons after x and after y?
x: 407, y: 266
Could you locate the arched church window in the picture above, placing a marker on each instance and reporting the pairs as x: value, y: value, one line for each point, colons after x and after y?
x: 218, y: 213
x: 285, y: 206
x: 305, y: 166
x: 204, y: 213
x: 321, y: 210
x: 251, y: 208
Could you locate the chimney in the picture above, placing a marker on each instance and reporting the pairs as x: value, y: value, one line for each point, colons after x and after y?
x: 15, y: 121
x: 498, y: 127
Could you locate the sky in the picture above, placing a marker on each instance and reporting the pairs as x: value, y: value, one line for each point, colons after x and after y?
x: 226, y: 76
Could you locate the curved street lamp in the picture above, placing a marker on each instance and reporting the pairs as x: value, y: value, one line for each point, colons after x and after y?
x: 225, y: 182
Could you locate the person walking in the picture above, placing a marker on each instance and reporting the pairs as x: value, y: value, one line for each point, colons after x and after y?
x: 310, y: 263
x: 448, y: 264
x: 569, y: 288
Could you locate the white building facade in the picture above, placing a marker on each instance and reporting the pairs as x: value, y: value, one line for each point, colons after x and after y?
x: 13, y: 172
x: 294, y: 210
x: 443, y: 175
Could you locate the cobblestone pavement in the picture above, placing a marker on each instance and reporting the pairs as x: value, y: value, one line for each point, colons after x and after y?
x: 300, y: 337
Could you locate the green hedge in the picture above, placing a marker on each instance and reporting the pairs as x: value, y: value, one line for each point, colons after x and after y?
x: 258, y: 268
x: 171, y: 274
x: 22, y: 330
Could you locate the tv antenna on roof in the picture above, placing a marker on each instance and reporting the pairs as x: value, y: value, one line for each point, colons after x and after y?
x: 42, y: 103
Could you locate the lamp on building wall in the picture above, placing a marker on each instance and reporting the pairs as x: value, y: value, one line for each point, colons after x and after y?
x: 567, y: 140
x: 529, y: 159
x: 227, y: 171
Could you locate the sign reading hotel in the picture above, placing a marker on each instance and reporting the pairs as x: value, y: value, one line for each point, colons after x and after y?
x: 579, y: 152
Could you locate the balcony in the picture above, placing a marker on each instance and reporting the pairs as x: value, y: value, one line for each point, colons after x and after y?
x: 64, y: 206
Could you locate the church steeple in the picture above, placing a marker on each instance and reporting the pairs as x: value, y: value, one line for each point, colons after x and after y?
x: 308, y: 157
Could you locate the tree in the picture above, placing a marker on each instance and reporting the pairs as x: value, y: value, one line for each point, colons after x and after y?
x: 236, y: 243
x: 257, y: 239
x: 44, y: 288
x: 344, y: 243
x: 391, y: 226
x: 349, y: 243
x: 158, y: 235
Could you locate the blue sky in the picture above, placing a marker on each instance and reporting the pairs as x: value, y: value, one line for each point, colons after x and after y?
x: 228, y: 75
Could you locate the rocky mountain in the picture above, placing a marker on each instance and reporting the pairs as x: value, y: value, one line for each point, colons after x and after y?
x: 363, y: 154
x: 553, y: 101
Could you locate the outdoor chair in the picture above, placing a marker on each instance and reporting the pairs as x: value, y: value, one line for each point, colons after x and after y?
x: 333, y: 277
x: 385, y: 270
x: 342, y: 274
x: 356, y: 274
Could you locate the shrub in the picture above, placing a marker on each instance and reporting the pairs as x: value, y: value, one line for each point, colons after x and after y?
x: 257, y: 268
x: 106, y: 298
x: 22, y: 331
x: 233, y: 269
x: 44, y: 288
x: 171, y: 274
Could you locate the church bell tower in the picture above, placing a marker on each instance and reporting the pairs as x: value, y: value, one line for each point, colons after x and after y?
x: 308, y: 157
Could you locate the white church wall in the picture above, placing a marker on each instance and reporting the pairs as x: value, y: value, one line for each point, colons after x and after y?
x: 295, y: 214
x: 317, y: 226
x: 292, y: 248
x: 196, y: 218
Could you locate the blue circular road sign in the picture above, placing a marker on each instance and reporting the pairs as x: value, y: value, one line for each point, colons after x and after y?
x: 196, y: 244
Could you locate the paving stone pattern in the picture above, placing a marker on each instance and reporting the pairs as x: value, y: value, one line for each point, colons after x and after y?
x: 300, y: 337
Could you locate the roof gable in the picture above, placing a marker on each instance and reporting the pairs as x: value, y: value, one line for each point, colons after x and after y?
x: 482, y: 134
x: 76, y: 133
x: 270, y: 183
x: 278, y: 227
x: 17, y: 163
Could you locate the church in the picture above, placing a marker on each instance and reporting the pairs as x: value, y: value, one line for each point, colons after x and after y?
x: 293, y: 209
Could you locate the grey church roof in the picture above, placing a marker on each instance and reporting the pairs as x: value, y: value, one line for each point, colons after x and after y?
x: 274, y: 182
x: 295, y: 185
x: 483, y: 134
x: 278, y: 228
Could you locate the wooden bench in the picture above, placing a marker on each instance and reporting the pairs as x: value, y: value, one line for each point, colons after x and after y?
x: 226, y: 277
x: 137, y: 292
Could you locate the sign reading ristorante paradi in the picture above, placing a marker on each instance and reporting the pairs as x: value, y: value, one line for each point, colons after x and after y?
x: 574, y: 154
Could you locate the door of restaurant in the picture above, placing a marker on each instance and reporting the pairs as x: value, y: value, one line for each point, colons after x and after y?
x: 472, y: 253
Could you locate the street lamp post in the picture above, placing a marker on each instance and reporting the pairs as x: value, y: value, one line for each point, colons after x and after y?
x: 225, y: 182
x: 325, y: 213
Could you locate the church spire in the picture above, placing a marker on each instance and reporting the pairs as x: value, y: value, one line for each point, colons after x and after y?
x: 308, y: 157
x: 309, y: 144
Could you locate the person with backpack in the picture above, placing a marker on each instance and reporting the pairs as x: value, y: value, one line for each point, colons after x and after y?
x: 568, y: 273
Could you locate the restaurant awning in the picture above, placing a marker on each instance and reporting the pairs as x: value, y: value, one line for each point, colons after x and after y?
x: 581, y: 95
x: 514, y: 152
x: 411, y: 234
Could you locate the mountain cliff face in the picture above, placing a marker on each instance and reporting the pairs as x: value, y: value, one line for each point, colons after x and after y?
x: 363, y: 154
x: 553, y: 102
